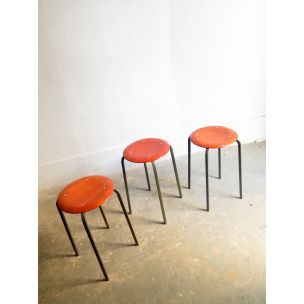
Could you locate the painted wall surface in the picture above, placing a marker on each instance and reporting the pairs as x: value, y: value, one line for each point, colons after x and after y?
x: 113, y: 71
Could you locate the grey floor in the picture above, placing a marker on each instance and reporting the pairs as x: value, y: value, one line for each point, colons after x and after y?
x: 198, y: 257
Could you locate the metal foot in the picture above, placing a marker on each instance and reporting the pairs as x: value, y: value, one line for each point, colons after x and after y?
x: 104, y: 217
x: 159, y: 193
x: 240, y: 168
x: 126, y: 183
x: 189, y: 162
x: 68, y: 231
x: 219, y: 163
x: 126, y: 215
x: 207, y: 178
x: 147, y: 176
x: 94, y: 246
x: 175, y: 171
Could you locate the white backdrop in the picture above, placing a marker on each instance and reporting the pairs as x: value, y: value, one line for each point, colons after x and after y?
x: 113, y: 71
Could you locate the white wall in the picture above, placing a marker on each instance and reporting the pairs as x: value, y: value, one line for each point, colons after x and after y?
x: 111, y: 72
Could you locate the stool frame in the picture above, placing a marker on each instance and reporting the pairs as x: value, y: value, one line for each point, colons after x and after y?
x: 148, y: 182
x: 90, y: 236
x: 219, y: 169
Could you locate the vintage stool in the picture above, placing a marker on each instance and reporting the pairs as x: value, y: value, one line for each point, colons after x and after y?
x: 214, y: 137
x: 86, y: 194
x: 144, y: 151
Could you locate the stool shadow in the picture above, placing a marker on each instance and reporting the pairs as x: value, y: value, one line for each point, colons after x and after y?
x: 80, y: 282
x: 140, y: 188
x: 57, y: 256
x: 112, y: 211
x: 99, y: 227
x: 170, y: 195
x: 147, y: 221
x: 118, y: 245
x: 232, y: 196
x: 194, y: 207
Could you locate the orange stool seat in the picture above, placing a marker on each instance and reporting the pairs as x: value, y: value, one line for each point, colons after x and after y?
x: 85, y: 194
x: 213, y: 137
x: 146, y: 150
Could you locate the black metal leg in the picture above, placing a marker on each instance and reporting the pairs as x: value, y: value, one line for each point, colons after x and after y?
x: 219, y: 163
x: 68, y: 231
x: 159, y: 193
x: 189, y: 163
x: 175, y: 171
x: 94, y: 246
x: 207, y: 178
x: 240, y: 167
x: 126, y: 215
x: 147, y: 176
x: 104, y: 217
x: 126, y: 183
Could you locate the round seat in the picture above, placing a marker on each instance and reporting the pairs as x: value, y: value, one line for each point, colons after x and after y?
x: 146, y: 150
x: 213, y: 137
x: 85, y: 194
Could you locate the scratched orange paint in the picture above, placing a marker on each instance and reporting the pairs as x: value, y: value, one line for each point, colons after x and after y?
x: 146, y: 150
x: 213, y: 137
x: 85, y: 194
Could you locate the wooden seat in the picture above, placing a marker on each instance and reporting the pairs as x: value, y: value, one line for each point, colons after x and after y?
x: 213, y: 137
x: 146, y: 150
x: 85, y: 194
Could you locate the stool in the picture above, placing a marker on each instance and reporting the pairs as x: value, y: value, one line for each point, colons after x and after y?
x: 86, y: 194
x: 148, y: 150
x: 213, y: 137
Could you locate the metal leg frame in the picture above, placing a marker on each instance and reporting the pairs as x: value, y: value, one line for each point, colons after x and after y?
x: 207, y: 178
x: 90, y: 234
x: 126, y: 215
x: 94, y: 246
x: 159, y: 193
x: 104, y: 217
x: 175, y: 171
x: 189, y: 163
x: 240, y: 168
x: 219, y: 168
x: 126, y: 183
x: 147, y: 176
x: 68, y: 231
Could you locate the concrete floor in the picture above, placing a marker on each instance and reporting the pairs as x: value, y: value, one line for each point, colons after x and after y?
x: 198, y: 257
